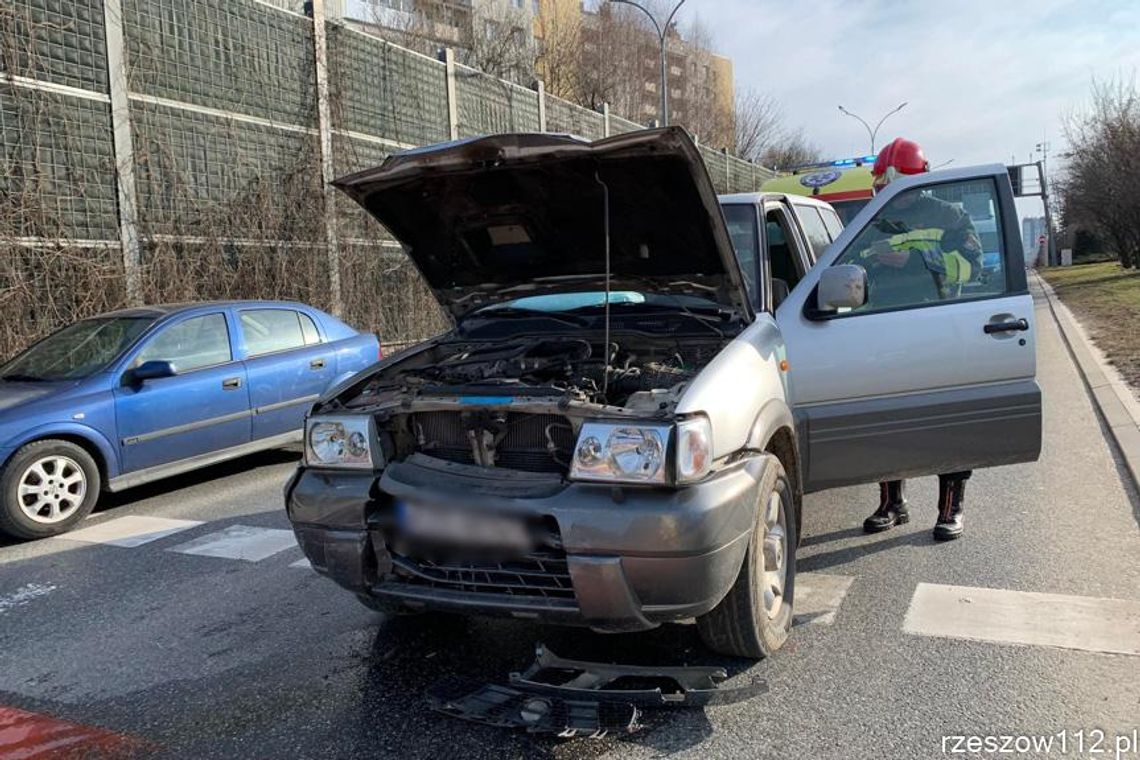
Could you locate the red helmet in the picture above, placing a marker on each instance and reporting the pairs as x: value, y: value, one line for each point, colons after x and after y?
x: 899, y: 157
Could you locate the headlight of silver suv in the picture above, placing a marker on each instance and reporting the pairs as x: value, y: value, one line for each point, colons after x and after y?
x: 633, y: 452
x: 344, y: 441
x: 621, y: 452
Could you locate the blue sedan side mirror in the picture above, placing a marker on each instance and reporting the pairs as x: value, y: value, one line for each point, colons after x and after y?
x: 151, y: 370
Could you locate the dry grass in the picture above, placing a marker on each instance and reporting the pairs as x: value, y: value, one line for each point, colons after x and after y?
x: 1106, y: 298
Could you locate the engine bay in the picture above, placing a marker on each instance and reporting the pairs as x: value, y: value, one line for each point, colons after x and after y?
x: 577, y: 368
x: 518, y: 404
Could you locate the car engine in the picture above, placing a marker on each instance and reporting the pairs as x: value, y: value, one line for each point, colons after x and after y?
x: 570, y: 365
x: 548, y: 386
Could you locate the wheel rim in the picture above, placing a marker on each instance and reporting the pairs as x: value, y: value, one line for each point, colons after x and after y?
x: 775, y: 572
x: 51, y: 489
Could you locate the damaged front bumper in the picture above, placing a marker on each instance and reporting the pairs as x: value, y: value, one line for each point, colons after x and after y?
x: 625, y: 559
x: 580, y: 698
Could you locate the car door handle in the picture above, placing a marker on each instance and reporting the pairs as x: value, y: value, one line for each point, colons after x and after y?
x: 231, y: 383
x: 1016, y: 325
x: 317, y: 364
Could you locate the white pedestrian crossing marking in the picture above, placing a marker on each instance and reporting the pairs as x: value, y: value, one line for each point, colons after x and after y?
x: 239, y: 542
x: 303, y: 562
x: 130, y: 531
x: 1023, y: 617
x: 818, y: 596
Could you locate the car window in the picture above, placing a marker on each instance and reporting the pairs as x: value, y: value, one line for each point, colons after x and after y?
x: 832, y: 222
x: 848, y: 210
x: 591, y: 299
x: 188, y: 345
x: 78, y: 350
x: 309, y: 329
x: 269, y: 330
x: 782, y: 249
x: 814, y: 229
x: 741, y: 220
x: 924, y: 247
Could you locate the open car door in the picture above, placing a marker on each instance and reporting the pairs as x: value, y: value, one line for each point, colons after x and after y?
x: 928, y: 364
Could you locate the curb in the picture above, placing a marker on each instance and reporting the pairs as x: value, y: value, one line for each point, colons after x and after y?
x: 1110, y: 394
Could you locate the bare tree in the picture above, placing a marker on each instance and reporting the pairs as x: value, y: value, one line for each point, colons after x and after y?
x: 706, y: 100
x: 790, y: 149
x: 559, y: 50
x: 1098, y: 190
x: 499, y: 41
x: 409, y: 28
x: 494, y: 37
x: 616, y: 49
x: 759, y: 123
x: 763, y: 136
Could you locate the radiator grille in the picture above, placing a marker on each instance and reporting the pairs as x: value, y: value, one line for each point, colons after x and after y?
x: 525, y: 445
x: 542, y: 574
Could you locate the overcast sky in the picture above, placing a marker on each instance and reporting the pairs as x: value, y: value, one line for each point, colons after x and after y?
x: 983, y: 79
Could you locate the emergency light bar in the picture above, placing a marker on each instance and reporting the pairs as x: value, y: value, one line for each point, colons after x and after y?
x: 841, y: 163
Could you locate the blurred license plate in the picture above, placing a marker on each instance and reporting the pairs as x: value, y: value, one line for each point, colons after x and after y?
x: 462, y: 527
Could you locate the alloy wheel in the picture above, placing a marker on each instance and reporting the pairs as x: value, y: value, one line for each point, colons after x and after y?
x: 774, y: 576
x: 51, y: 489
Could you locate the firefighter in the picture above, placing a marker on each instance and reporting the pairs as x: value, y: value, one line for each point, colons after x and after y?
x: 927, y: 251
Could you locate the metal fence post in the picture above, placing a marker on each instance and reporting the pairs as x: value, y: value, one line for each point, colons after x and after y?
x: 541, y: 106
x: 452, y: 95
x: 124, y: 150
x: 324, y: 128
x: 606, y: 119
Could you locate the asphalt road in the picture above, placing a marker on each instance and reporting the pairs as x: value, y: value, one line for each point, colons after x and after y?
x: 205, y: 656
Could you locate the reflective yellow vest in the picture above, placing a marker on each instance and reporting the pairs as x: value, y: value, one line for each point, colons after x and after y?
x: 952, y: 267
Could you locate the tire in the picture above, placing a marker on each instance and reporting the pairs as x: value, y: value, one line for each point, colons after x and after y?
x: 46, y: 488
x: 747, y: 623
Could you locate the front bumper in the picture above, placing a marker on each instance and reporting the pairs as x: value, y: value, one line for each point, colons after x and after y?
x: 636, y: 557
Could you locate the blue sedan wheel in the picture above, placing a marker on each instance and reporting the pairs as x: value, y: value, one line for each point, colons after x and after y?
x: 51, y: 489
x: 47, y: 486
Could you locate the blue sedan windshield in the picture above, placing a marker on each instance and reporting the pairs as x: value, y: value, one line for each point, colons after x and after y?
x: 76, y: 351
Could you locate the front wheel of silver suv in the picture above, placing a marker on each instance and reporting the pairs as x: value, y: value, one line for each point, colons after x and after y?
x: 755, y: 617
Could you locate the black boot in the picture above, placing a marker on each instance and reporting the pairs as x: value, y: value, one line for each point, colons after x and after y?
x: 951, y: 492
x: 892, y: 508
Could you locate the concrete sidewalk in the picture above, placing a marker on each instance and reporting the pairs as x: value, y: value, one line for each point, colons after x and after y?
x: 1112, y: 396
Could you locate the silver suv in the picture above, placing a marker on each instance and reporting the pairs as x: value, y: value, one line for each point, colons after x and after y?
x: 620, y: 427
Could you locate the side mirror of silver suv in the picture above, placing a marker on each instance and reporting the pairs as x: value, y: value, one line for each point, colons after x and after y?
x: 841, y: 286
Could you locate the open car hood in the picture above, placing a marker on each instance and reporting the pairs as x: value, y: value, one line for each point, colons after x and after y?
x: 494, y: 218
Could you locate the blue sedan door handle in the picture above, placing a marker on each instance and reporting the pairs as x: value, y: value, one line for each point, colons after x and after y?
x: 317, y: 364
x: 231, y: 383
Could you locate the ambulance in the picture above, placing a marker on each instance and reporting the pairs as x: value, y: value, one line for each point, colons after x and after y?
x: 844, y: 183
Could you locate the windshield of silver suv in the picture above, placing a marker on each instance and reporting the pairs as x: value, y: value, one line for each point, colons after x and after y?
x: 585, y: 301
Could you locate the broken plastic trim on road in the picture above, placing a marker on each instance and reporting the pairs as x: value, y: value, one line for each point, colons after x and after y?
x: 578, y: 698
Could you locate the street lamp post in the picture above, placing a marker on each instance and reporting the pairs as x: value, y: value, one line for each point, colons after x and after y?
x: 875, y: 131
x: 662, y: 33
x: 1043, y: 169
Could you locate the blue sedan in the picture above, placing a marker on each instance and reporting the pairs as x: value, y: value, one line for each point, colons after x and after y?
x: 132, y: 396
